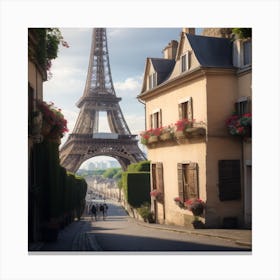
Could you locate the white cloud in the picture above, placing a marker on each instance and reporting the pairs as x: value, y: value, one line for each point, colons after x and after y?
x: 132, y: 83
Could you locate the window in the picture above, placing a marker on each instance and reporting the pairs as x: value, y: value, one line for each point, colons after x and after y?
x: 157, y: 176
x: 188, y: 180
x: 155, y: 119
x: 186, y: 110
x: 152, y: 80
x: 229, y: 180
x: 247, y: 53
x: 185, y: 65
x: 242, y: 106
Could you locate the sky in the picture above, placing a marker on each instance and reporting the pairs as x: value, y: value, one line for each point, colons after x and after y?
x: 128, y: 50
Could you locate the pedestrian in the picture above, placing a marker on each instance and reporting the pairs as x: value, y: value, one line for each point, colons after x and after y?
x: 102, y: 208
x: 93, y: 212
x: 105, y: 209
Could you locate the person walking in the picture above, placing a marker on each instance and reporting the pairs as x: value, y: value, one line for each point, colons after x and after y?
x: 93, y: 212
x: 101, y: 208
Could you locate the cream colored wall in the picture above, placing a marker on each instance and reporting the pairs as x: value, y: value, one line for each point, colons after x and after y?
x: 221, y: 96
x: 185, y: 46
x: 168, y: 102
x: 220, y: 148
x: 170, y: 155
x: 245, y: 85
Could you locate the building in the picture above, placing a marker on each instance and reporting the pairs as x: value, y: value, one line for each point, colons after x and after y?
x: 197, y: 85
x: 36, y: 76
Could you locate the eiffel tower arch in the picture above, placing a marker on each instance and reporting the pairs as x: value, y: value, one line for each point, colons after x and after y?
x: 99, y: 95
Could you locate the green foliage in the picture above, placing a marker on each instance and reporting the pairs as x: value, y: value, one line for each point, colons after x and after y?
x: 242, y: 33
x: 139, y: 166
x: 48, y: 40
x: 145, y: 212
x: 118, y: 175
x: 136, y: 187
x: 60, y: 193
x: 110, y: 172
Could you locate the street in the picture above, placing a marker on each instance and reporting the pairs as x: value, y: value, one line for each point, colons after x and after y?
x: 120, y: 232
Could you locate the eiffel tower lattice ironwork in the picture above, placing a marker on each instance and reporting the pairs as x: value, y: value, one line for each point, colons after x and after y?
x: 99, y: 96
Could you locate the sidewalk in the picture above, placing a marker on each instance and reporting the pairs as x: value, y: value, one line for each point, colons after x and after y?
x: 79, y: 236
x: 241, y: 237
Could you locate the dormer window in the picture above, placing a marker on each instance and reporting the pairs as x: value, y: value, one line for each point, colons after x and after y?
x: 185, y: 63
x: 152, y: 80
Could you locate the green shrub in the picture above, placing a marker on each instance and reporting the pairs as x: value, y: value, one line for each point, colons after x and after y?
x: 136, y: 187
x: 145, y: 212
x: 142, y: 166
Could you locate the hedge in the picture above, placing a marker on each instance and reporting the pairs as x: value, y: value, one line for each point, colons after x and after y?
x: 142, y: 166
x: 60, y: 195
x: 136, y: 187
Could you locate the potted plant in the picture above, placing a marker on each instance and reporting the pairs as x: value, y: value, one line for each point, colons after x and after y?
x: 196, y: 206
x: 54, y: 124
x: 240, y: 125
x: 179, y: 202
x: 145, y: 212
x: 157, y: 195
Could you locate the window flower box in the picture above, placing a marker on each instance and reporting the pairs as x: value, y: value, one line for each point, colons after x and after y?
x: 195, y: 132
x: 152, y: 139
x: 54, y: 124
x: 240, y: 125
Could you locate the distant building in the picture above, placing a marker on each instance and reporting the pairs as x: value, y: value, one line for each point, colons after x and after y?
x: 199, y: 83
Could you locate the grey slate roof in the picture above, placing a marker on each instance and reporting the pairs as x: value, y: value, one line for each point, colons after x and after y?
x: 163, y: 67
x: 212, y: 51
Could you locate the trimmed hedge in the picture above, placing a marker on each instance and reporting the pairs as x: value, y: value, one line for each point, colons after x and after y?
x: 142, y: 166
x: 136, y: 187
x: 60, y: 195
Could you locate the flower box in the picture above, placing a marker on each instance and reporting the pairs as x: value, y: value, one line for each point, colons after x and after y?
x: 152, y: 139
x: 165, y: 136
x: 195, y: 132
x: 180, y: 134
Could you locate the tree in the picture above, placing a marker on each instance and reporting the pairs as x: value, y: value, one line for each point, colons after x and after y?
x: 242, y: 33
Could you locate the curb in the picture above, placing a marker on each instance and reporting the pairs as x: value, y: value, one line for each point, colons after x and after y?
x: 238, y: 242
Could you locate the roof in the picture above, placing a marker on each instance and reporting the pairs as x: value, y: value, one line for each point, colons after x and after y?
x: 212, y: 51
x: 163, y: 67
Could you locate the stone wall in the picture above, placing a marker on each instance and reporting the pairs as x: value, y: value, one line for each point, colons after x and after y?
x: 217, y: 32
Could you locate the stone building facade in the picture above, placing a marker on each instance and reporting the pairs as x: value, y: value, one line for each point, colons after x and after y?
x: 203, y: 80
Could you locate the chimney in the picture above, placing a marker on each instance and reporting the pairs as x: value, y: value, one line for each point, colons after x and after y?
x: 189, y: 30
x: 169, y: 52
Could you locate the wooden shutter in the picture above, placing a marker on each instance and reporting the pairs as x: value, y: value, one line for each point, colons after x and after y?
x: 180, y: 110
x: 229, y: 180
x: 151, y: 120
x: 180, y: 180
x: 153, y: 176
x: 160, y: 118
x: 159, y: 170
x: 190, y: 109
x: 192, y: 179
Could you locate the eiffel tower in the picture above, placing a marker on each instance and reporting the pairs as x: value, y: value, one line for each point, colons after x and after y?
x: 99, y: 96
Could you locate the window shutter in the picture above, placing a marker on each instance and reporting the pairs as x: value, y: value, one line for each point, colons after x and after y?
x: 190, y: 109
x: 160, y: 118
x: 229, y: 180
x: 180, y: 180
x: 151, y: 121
x: 180, y: 109
x: 159, y: 168
x: 153, y: 176
x: 192, y: 178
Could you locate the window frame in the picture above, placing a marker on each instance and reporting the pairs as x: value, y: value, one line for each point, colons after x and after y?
x: 185, y: 62
x: 185, y: 107
x: 152, y: 80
